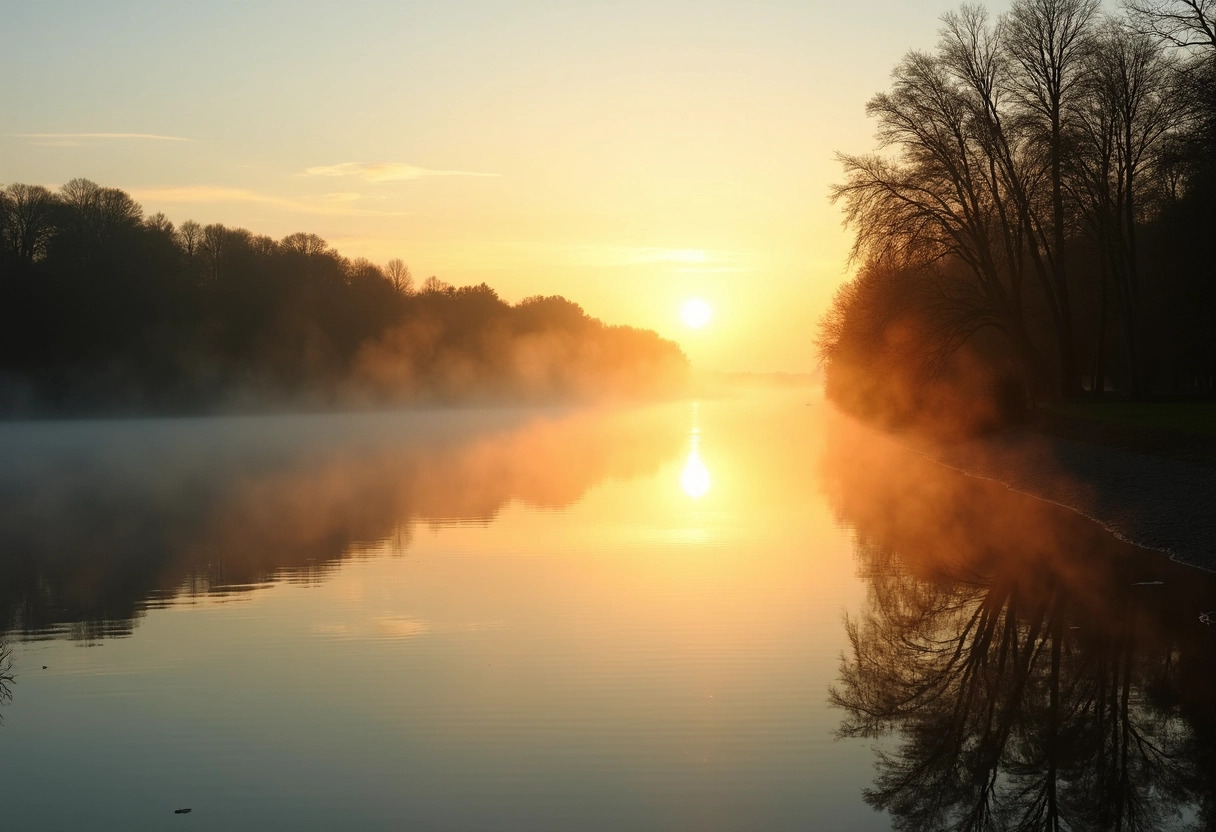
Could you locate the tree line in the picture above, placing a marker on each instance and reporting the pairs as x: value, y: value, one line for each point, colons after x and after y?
x: 1038, y: 220
x: 105, y: 309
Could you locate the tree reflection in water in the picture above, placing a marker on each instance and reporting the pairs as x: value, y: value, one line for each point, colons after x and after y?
x: 1033, y: 671
x: 100, y: 521
x: 6, y: 676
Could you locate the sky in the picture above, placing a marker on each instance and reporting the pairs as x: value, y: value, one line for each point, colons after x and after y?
x: 625, y: 155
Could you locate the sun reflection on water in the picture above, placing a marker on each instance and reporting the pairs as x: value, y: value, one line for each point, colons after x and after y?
x: 695, y: 478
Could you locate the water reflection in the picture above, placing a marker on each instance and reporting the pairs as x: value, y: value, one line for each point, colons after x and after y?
x: 1033, y: 672
x: 694, y: 477
x: 101, y: 521
x: 638, y: 660
x: 6, y: 676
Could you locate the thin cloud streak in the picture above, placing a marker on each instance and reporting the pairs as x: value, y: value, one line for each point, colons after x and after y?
x: 670, y: 255
x: 687, y: 260
x: 713, y: 270
x: 385, y: 171
x: 69, y: 136
x: 207, y: 193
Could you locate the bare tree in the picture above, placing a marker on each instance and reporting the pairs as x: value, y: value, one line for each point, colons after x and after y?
x: 159, y: 222
x: 1183, y: 23
x: 189, y: 237
x: 946, y: 192
x: 975, y: 53
x: 263, y: 245
x: 29, y: 220
x: 1047, y: 40
x: 1128, y: 113
x: 399, y: 275
x: 306, y: 244
x: 433, y: 286
x: 212, y: 249
x: 7, y: 677
x: 98, y: 211
x: 361, y: 269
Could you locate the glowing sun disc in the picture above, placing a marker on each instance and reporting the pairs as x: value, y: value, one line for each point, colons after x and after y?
x: 696, y: 312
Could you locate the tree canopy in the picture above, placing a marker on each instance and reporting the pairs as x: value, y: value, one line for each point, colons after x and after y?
x: 1037, y: 208
x: 105, y: 309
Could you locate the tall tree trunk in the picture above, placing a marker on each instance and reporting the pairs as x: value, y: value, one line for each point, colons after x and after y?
x: 1099, y: 378
x: 1131, y: 267
x: 1069, y: 379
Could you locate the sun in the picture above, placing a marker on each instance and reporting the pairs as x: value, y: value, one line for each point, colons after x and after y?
x: 696, y: 312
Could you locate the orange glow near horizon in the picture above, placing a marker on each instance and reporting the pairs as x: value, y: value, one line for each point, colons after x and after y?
x: 547, y: 150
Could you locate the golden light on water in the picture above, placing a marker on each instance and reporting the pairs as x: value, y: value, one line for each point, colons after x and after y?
x: 695, y: 478
x: 696, y: 312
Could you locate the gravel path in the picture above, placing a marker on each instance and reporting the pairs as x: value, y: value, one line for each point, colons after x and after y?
x: 1151, y: 501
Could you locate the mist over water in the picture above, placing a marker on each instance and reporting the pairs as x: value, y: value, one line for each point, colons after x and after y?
x: 1030, y: 669
x: 207, y: 506
x: 704, y: 615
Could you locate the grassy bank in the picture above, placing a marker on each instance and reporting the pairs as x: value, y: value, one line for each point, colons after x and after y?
x: 1179, y: 430
x: 1182, y: 417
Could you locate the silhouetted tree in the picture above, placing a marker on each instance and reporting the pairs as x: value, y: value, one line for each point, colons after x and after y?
x: 190, y: 238
x: 1182, y: 23
x: 6, y: 676
x: 399, y: 275
x: 27, y: 221
x: 433, y: 285
x: 1047, y: 41
x: 1043, y: 174
x: 1129, y: 112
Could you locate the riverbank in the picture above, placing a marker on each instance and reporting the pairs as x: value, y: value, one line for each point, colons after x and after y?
x: 1151, y: 488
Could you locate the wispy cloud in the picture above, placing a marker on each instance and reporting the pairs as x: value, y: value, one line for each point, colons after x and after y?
x: 212, y: 194
x: 678, y: 260
x: 713, y: 270
x: 669, y: 255
x: 77, y: 137
x: 384, y: 171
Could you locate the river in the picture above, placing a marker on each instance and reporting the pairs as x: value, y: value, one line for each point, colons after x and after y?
x: 739, y: 613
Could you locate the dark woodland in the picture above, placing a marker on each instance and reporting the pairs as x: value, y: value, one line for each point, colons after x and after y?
x: 106, y: 310
x: 1038, y: 223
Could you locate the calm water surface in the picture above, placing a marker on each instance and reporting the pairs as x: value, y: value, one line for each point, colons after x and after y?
x: 738, y: 614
